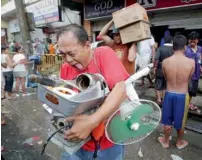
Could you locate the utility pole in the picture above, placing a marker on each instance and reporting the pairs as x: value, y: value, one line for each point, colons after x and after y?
x: 24, y: 30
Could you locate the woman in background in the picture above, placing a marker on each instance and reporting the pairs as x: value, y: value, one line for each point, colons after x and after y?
x: 20, y: 70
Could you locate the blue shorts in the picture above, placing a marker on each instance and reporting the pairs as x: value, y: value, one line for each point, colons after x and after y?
x: 114, y: 153
x: 175, y: 109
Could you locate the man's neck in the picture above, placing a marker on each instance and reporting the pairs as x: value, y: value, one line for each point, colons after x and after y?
x: 179, y: 53
x: 194, y: 48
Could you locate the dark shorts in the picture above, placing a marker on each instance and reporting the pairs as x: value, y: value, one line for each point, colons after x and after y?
x: 175, y: 109
x: 193, y: 86
x: 160, y: 83
x: 8, y: 81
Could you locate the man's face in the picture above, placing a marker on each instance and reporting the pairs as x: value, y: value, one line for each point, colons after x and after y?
x: 193, y: 43
x: 76, y: 54
x: 117, y: 38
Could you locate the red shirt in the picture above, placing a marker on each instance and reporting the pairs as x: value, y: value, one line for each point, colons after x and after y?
x: 113, y: 72
x: 122, y: 51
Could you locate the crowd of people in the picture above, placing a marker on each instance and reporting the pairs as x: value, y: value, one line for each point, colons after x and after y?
x: 14, y: 64
x: 174, y: 82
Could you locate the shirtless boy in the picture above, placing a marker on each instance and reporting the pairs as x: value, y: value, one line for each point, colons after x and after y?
x: 175, y: 106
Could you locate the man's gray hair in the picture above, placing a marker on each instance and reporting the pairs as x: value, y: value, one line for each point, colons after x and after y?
x: 78, y: 31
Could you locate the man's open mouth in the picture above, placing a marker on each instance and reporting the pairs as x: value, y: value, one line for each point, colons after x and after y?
x: 78, y: 66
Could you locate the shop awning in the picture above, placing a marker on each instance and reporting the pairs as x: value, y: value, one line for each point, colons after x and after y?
x: 191, y: 19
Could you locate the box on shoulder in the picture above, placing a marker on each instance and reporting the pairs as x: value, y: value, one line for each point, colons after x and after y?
x: 129, y: 15
x: 135, y: 32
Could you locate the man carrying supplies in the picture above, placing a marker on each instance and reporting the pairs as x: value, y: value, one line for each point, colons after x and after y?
x: 74, y: 45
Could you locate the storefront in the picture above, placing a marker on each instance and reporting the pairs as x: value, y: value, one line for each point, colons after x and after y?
x: 99, y: 13
x: 175, y: 15
x: 49, y: 16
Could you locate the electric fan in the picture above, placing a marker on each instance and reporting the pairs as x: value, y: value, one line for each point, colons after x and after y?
x: 132, y: 122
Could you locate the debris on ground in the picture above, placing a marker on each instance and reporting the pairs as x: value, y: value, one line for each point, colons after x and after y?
x: 31, y: 141
x: 140, y: 153
x: 175, y: 157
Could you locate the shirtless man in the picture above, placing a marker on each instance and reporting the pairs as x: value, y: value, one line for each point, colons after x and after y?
x: 175, y: 105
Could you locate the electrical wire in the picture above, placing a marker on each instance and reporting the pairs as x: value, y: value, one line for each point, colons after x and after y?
x: 66, y: 15
x: 45, y: 144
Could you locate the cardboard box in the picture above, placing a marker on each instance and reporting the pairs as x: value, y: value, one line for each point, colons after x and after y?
x: 129, y: 15
x: 135, y: 32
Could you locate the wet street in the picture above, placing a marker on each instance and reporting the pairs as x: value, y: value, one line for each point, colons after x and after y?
x: 28, y: 122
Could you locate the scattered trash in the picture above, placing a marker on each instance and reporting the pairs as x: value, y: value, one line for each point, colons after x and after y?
x: 175, y: 157
x: 36, y: 138
x: 140, y: 153
x: 5, y: 112
x: 30, y: 141
x: 47, y: 108
x: 34, y: 110
x: 40, y: 142
x: 34, y: 129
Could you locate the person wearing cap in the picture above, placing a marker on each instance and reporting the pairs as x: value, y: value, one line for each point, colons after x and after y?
x: 125, y: 52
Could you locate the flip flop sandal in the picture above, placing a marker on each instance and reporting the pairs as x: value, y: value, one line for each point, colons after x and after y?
x: 163, y: 145
x: 182, y: 146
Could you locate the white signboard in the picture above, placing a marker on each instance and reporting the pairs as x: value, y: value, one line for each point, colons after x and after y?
x: 45, y: 11
x: 3, y: 33
x: 13, y: 26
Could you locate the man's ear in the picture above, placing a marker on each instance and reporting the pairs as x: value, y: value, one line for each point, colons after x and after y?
x: 88, y: 44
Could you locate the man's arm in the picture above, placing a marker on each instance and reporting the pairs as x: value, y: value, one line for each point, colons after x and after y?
x: 112, y: 103
x: 103, y: 34
x: 115, y: 75
x: 156, y: 60
x: 153, y: 53
x: 152, y: 43
x: 132, y: 53
x: 10, y: 63
x: 193, y: 68
x: 163, y: 68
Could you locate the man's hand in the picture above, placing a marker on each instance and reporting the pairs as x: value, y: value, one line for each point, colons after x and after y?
x: 22, y: 61
x: 82, y: 127
x: 4, y: 65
